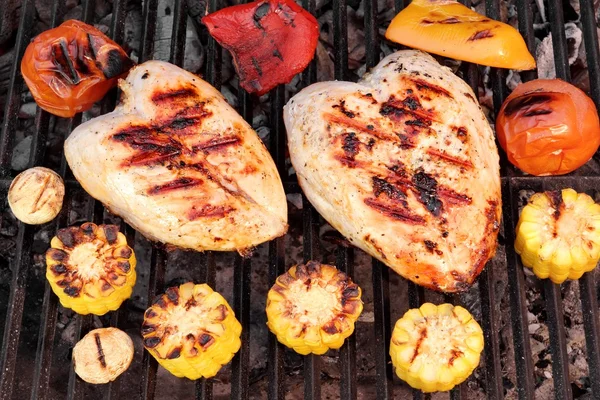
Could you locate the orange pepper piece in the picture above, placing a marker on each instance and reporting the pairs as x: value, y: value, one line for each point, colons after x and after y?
x: 449, y: 29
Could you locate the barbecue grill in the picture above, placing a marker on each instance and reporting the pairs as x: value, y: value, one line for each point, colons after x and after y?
x: 21, y: 376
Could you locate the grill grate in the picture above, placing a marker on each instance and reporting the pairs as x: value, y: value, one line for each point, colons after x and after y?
x: 513, y: 182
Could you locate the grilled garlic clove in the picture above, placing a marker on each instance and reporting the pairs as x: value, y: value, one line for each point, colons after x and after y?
x: 558, y: 235
x: 434, y: 348
x: 102, y: 355
x: 313, y: 307
x: 91, y: 268
x: 191, y: 331
x: 36, y: 195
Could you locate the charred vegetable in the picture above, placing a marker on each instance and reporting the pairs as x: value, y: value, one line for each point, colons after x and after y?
x: 434, y: 348
x: 548, y: 127
x: 191, y: 331
x: 91, y: 268
x: 270, y: 41
x: 71, y: 67
x: 102, y: 355
x: 450, y: 29
x: 312, y: 308
x: 558, y: 235
x: 36, y: 195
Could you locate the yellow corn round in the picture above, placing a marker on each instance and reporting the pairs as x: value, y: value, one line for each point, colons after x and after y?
x: 313, y: 307
x: 558, y: 235
x: 91, y: 268
x: 434, y: 348
x: 191, y: 331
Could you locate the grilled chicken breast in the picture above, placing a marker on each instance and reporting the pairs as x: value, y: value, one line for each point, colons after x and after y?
x: 179, y: 164
x: 404, y: 164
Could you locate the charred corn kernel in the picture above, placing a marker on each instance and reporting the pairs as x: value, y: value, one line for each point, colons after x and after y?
x: 449, y: 29
x: 102, y: 355
x: 434, y: 348
x: 36, y: 195
x: 313, y: 307
x: 558, y: 235
x: 191, y: 331
x: 91, y: 268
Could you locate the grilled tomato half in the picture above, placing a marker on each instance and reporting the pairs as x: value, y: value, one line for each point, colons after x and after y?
x: 548, y: 127
x: 71, y: 67
x: 191, y: 331
x: 91, y: 268
x: 313, y: 307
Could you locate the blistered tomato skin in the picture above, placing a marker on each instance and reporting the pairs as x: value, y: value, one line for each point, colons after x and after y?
x: 548, y: 127
x: 71, y: 67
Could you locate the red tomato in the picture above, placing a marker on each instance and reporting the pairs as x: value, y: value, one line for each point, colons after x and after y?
x: 71, y: 67
x: 548, y: 127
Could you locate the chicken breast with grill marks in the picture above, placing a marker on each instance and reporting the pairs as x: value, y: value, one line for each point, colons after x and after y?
x: 180, y: 165
x: 403, y: 163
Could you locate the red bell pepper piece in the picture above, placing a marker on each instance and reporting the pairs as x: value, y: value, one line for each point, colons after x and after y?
x: 270, y: 41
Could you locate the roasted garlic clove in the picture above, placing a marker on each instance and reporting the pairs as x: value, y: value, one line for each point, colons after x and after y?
x: 102, y: 355
x: 313, y: 307
x: 91, y: 268
x: 191, y: 331
x: 36, y: 195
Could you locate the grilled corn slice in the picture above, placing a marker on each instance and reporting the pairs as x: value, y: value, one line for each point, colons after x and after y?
x: 558, y: 235
x: 312, y: 308
x: 434, y: 348
x: 91, y: 268
x: 191, y: 331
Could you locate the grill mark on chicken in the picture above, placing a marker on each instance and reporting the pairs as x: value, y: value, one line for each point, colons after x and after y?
x: 394, y: 212
x: 390, y: 190
x: 449, y: 158
x: 344, y: 110
x: 400, y: 110
x: 216, y: 143
x: 173, y: 94
x: 368, y: 127
x: 180, y: 183
x: 426, y: 186
x: 209, y: 211
x: 423, y: 85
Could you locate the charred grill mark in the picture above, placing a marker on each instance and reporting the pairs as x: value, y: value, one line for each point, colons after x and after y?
x: 111, y: 232
x: 257, y: 67
x: 350, y: 145
x: 209, y: 211
x: 277, y: 54
x: 344, y: 110
x: 393, y: 192
x: 330, y: 327
x: 67, y: 236
x: 260, y: 12
x: 216, y: 143
x: 222, y: 312
x: 180, y: 183
x: 62, y: 61
x: 150, y: 313
x: 173, y: 295
x: 368, y: 127
x: 100, y: 350
x: 190, y: 303
x: 205, y: 340
x: 57, y: 254
x: 151, y: 342
x: 393, y: 212
x: 175, y: 353
x: 412, y: 103
x: 72, y: 291
x: 407, y: 108
x: 172, y: 94
x: 376, y: 246
x: 484, y: 34
x: 556, y: 201
x: 426, y: 186
x: 115, y: 64
x: 533, y: 113
x: 461, y: 133
x: 124, y: 266
x: 449, y: 158
x: 423, y: 85
x: 526, y: 101
x: 422, y: 336
x: 426, y: 21
x: 431, y: 246
x: 452, y: 197
x: 161, y: 302
x: 454, y: 355
x: 59, y: 269
x: 147, y: 328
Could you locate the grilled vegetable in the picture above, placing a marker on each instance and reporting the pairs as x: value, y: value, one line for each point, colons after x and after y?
x: 180, y: 165
x: 91, y: 268
x: 71, y: 67
x: 191, y: 331
x: 313, y: 307
x: 434, y: 348
x: 270, y: 41
x: 548, y: 127
x: 403, y: 163
x: 102, y: 355
x: 558, y: 235
x: 449, y: 29
x: 36, y: 195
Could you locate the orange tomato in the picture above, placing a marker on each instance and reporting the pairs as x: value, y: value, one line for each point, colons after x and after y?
x: 548, y: 127
x: 71, y: 67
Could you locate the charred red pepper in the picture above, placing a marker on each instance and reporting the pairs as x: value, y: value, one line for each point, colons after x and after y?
x: 270, y: 41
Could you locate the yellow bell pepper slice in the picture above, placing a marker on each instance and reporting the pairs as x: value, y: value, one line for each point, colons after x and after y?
x: 449, y: 29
